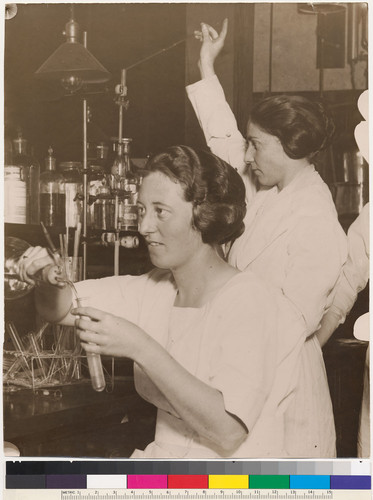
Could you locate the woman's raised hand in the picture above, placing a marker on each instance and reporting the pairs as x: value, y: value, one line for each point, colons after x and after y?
x: 212, y: 44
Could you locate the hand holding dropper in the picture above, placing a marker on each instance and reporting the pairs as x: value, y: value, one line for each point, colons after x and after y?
x: 50, y: 273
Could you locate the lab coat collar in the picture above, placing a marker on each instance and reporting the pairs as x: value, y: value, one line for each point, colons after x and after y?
x: 269, y: 216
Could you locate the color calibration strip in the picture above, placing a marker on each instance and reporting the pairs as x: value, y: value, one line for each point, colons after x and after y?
x: 325, y: 475
x: 155, y: 481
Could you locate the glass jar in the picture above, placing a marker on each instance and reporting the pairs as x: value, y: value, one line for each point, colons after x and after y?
x: 31, y: 175
x: 15, y: 195
x: 52, y: 194
x: 128, y: 215
x: 104, y: 210
x: 71, y: 171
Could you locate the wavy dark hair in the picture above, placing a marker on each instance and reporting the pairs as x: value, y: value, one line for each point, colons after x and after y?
x: 304, y: 127
x: 215, y: 189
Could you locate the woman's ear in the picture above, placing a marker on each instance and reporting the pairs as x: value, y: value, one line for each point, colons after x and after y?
x: 281, y: 148
x: 195, y: 217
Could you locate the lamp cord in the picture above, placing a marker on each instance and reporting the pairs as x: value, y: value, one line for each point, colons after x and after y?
x: 157, y: 53
x: 169, y: 47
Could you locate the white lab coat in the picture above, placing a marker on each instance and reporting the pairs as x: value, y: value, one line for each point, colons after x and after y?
x: 224, y: 343
x: 294, y: 241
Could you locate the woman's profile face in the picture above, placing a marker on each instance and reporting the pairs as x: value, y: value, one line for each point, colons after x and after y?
x: 266, y: 156
x: 165, y: 221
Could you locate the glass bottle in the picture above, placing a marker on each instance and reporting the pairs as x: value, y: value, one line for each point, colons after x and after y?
x: 31, y: 174
x: 96, y: 180
x: 102, y: 150
x: 116, y: 182
x: 52, y: 194
x: 118, y: 170
x: 71, y: 172
x: 125, y: 182
x: 15, y: 195
x: 130, y: 217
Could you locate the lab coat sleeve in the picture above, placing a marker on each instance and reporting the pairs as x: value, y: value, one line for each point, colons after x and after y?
x: 317, y: 251
x: 243, y: 350
x: 121, y: 296
x: 355, y: 273
x: 220, y: 127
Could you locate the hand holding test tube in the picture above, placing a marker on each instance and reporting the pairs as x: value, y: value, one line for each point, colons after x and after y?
x: 70, y: 271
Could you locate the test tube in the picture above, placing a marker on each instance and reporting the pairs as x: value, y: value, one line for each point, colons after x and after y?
x: 96, y: 371
x: 95, y: 368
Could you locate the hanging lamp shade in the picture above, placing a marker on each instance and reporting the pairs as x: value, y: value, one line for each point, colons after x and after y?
x: 72, y: 62
x: 72, y: 58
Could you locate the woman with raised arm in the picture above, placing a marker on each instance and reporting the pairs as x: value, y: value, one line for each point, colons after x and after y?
x: 292, y: 237
x: 201, y: 333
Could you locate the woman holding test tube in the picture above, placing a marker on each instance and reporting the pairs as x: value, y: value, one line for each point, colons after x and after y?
x: 203, y: 335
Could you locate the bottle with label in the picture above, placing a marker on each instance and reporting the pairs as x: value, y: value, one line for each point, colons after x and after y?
x: 104, y: 210
x: 125, y: 182
x: 130, y: 217
x: 15, y: 195
x: 71, y: 172
x: 31, y: 174
x: 52, y: 194
x: 96, y: 180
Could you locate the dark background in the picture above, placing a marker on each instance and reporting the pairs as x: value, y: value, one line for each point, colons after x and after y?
x: 118, y: 35
x: 159, y: 114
